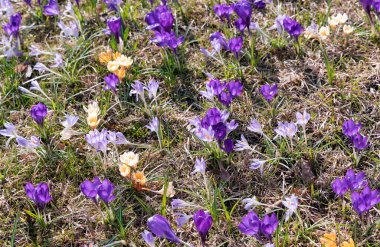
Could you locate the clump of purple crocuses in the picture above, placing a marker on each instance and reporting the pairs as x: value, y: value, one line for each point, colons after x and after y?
x: 40, y: 194
x: 213, y: 127
x: 97, y: 189
x: 224, y: 91
x: 160, y: 20
x: 351, y: 130
x: 362, y: 197
x: 260, y: 229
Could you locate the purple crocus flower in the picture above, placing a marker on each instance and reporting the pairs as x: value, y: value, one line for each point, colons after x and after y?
x: 98, y: 189
x: 376, y: 5
x: 218, y: 41
x: 228, y: 145
x: 350, y: 129
x: 268, y: 91
x: 244, y: 10
x: 13, y: 26
x: 38, y: 112
x: 160, y: 227
x: 105, y: 191
x: 90, y: 189
x: 260, y: 4
x: 339, y: 186
x: 366, y: 199
x: 225, y: 98
x: 114, y: 25
x: 212, y: 117
x: 160, y: 19
x: 367, y: 7
x: 250, y: 224
x: 203, y: 223
x: 360, y: 141
x: 355, y: 181
x: 39, y: 194
x: 113, y: 4
x: 220, y: 131
x: 292, y: 27
x: 223, y: 11
x: 235, y: 88
x: 111, y: 82
x: 51, y: 9
x: 235, y: 45
x: 269, y: 225
x: 28, y: 2
x: 216, y: 86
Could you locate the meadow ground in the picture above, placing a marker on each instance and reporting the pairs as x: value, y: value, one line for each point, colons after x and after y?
x: 305, y: 166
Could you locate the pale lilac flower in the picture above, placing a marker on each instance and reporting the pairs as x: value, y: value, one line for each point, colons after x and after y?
x: 303, y: 119
x: 231, y: 126
x: 152, y: 89
x: 6, y: 8
x: 242, y: 144
x: 255, y: 126
x: 34, y: 51
x: 291, y: 129
x: 291, y: 203
x: 138, y: 90
x: 68, y: 132
x: 206, y: 135
x: 33, y: 143
x: 154, y: 125
x: 182, y: 219
x: 10, y: 48
x: 179, y: 204
x: 116, y: 138
x: 148, y: 238
x: 281, y: 129
x: 209, y: 93
x: 257, y: 164
x: 57, y: 61
x: 251, y: 203
x: 98, y: 140
x: 35, y: 86
x: 279, y: 24
x: 200, y: 166
x: 40, y: 67
x: 9, y: 131
x: 69, y: 30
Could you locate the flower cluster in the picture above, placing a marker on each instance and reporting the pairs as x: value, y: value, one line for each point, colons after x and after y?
x: 10, y: 131
x: 40, y: 194
x: 128, y: 163
x: 214, y: 127
x: 224, y: 91
x: 117, y: 64
x: 11, y: 41
x: 160, y: 20
x: 96, y: 190
x: 362, y: 201
x: 260, y: 229
x: 351, y: 130
x: 160, y: 227
x: 100, y: 139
